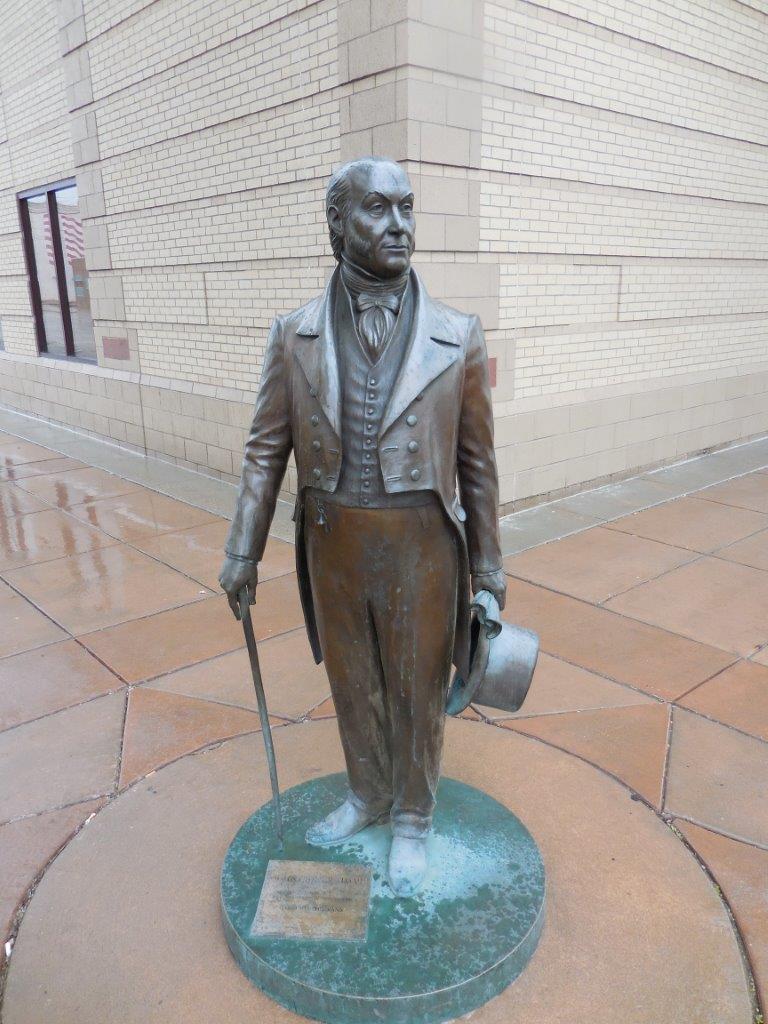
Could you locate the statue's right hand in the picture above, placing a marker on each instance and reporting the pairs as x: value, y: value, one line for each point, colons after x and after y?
x: 236, y: 574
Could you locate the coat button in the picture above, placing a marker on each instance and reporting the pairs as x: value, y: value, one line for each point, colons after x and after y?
x: 316, y: 445
x: 364, y: 501
x: 461, y: 515
x: 413, y: 446
x: 415, y: 474
x: 316, y: 473
x: 412, y: 420
x: 419, y: 397
x: 314, y: 420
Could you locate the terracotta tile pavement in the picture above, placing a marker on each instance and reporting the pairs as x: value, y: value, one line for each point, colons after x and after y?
x: 741, y: 871
x: 630, y: 743
x: 77, y: 486
x: 118, y: 656
x: 596, y: 564
x: 693, y: 524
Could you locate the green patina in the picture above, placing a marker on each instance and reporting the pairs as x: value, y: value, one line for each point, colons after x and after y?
x: 460, y: 941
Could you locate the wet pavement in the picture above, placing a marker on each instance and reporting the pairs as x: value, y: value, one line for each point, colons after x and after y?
x: 122, y: 670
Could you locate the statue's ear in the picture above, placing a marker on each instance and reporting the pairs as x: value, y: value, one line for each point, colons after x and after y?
x: 335, y: 221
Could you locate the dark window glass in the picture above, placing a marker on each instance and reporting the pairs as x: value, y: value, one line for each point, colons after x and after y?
x: 53, y: 238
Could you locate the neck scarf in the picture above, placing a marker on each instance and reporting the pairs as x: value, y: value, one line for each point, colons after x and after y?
x: 377, y: 302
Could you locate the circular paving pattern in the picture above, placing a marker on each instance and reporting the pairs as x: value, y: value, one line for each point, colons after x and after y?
x: 125, y: 926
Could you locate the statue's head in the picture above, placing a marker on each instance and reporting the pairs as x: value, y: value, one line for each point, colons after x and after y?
x: 369, y: 206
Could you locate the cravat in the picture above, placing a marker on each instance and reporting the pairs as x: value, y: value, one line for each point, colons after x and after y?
x: 378, y: 314
x: 376, y: 303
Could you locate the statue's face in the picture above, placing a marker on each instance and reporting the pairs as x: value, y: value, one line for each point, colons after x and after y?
x: 379, y: 228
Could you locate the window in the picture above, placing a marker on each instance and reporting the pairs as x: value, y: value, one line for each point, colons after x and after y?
x: 58, y: 279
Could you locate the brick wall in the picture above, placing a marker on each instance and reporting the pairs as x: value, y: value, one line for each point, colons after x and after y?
x: 590, y: 178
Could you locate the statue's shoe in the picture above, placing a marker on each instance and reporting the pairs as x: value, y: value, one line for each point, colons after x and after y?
x: 342, y: 823
x: 407, y: 864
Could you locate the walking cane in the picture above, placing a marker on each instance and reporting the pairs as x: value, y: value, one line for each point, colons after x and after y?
x: 266, y: 732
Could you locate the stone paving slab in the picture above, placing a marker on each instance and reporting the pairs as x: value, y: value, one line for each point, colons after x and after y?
x: 61, y: 759
x: 742, y: 872
x: 717, y: 778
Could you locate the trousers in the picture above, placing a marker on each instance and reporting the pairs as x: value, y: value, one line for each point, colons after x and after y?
x: 384, y: 583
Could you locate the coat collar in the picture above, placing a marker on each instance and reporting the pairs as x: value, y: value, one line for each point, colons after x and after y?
x: 434, y: 345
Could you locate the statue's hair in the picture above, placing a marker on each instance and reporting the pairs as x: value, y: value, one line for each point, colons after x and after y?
x: 337, y: 194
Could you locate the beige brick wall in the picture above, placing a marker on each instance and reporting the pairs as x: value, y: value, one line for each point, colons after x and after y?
x: 624, y: 194
x: 591, y: 178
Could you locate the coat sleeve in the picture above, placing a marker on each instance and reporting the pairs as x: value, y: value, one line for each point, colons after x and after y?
x: 476, y: 459
x: 266, y: 455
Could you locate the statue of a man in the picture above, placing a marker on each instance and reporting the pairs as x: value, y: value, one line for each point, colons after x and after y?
x: 383, y: 395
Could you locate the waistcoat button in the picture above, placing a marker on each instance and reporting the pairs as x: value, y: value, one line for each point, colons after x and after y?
x: 415, y: 474
x: 412, y: 420
x: 316, y: 473
x: 316, y: 445
x: 314, y: 420
x: 413, y: 446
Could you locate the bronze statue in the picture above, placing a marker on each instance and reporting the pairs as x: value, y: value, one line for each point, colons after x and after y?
x: 383, y: 395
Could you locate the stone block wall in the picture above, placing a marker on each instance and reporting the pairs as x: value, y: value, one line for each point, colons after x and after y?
x: 590, y: 179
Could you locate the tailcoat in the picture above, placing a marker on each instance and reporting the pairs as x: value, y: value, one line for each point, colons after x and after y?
x: 441, y: 400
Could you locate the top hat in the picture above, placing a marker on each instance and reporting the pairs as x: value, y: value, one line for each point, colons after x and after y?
x: 502, y: 658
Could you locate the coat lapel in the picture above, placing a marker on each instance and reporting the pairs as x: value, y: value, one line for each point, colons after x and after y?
x: 316, y: 354
x: 435, y: 345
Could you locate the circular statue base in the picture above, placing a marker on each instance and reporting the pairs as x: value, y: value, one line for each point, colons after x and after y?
x: 458, y: 942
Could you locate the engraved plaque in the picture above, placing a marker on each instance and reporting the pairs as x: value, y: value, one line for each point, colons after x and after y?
x: 311, y: 900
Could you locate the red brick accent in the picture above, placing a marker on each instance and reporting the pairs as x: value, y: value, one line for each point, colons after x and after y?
x: 492, y: 370
x: 116, y: 348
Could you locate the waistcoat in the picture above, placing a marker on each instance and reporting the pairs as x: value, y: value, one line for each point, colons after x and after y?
x: 366, y: 388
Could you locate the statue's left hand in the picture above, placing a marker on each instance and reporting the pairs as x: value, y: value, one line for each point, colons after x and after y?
x: 496, y: 582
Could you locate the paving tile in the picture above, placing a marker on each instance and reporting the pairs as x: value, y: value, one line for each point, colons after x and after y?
x: 741, y: 871
x: 717, y: 778
x: 617, y: 499
x: 293, y: 683
x: 43, y: 536
x: 630, y: 652
x: 750, y: 491
x: 26, y: 847
x: 24, y: 627
x: 161, y: 643
x: 325, y: 709
x: 750, y: 551
x: 523, y: 530
x: 78, y: 486
x: 761, y: 658
x: 634, y: 932
x: 692, y: 523
x: 558, y: 686
x: 695, y: 474
x: 630, y: 743
x: 14, y: 452
x: 160, y: 727
x: 100, y: 588
x: 140, y: 514
x: 25, y: 470
x: 738, y: 697
x: 717, y: 602
x: 595, y: 564
x: 48, y: 679
x: 199, y: 552
x: 61, y: 759
x: 14, y: 501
